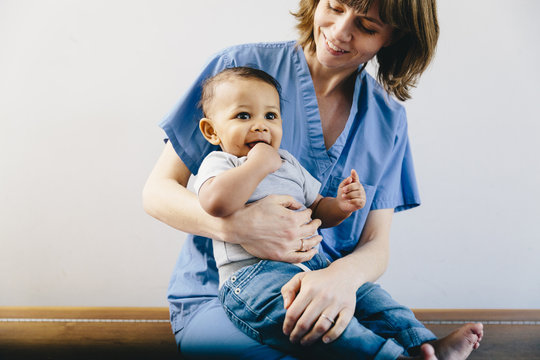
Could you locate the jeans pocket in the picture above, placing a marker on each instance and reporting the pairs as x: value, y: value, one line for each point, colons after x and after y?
x: 237, y: 311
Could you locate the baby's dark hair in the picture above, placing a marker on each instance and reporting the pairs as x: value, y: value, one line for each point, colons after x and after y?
x: 241, y: 72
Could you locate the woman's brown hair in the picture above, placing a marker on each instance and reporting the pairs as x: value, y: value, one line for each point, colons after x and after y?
x: 416, y: 33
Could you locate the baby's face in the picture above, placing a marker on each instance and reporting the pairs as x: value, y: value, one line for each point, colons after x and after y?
x: 245, y: 112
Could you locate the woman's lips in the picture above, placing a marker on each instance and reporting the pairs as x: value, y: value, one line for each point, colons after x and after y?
x: 333, y: 48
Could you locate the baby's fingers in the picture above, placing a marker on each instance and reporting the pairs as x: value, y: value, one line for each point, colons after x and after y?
x: 352, y: 187
x: 354, y: 176
x: 354, y: 194
x: 348, y: 180
x: 357, y: 198
x: 357, y: 204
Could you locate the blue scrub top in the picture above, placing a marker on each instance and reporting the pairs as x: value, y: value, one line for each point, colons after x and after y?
x: 374, y: 143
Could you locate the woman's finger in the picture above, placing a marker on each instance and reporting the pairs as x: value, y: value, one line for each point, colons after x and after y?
x: 343, y: 319
x: 300, y: 256
x: 306, y: 320
x: 290, y: 289
x: 302, y: 217
x: 325, y: 321
x: 308, y: 229
x: 296, y: 305
x: 286, y: 201
x: 311, y: 242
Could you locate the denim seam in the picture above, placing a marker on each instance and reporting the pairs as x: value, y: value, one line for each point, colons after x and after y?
x: 367, y: 292
x: 385, y: 319
x: 250, y: 309
x: 255, y: 332
x: 414, y: 336
x: 256, y: 269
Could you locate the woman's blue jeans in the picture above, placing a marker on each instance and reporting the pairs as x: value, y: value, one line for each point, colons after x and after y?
x: 380, y: 329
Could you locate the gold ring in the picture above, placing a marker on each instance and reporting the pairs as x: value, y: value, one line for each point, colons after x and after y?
x: 327, y: 318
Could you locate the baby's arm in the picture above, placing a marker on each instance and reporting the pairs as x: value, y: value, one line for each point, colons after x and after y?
x: 350, y: 197
x: 222, y: 195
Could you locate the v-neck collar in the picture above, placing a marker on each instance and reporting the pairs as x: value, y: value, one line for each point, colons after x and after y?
x: 325, y: 159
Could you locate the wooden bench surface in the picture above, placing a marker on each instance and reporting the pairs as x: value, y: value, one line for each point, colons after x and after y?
x: 144, y: 333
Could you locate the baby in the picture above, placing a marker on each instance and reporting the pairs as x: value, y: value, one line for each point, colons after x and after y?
x: 241, y: 109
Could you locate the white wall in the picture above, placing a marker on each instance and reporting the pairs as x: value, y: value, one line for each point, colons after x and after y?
x: 83, y: 85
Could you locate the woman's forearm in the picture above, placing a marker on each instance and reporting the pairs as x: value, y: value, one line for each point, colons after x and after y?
x: 173, y: 204
x: 369, y: 259
x: 166, y: 198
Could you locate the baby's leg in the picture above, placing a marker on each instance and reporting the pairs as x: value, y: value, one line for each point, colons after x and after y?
x: 377, y: 311
x: 252, y: 300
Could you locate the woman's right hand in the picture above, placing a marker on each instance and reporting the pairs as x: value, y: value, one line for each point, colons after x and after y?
x: 271, y: 229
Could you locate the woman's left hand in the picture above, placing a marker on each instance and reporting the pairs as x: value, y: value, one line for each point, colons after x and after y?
x: 319, y: 304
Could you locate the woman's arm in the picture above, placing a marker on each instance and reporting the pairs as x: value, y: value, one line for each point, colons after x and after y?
x: 268, y: 229
x: 332, y: 290
x: 166, y: 198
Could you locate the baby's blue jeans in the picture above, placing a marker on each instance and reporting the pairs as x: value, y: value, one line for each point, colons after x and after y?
x: 380, y: 329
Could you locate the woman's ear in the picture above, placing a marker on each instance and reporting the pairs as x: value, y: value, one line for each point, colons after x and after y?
x: 208, y: 131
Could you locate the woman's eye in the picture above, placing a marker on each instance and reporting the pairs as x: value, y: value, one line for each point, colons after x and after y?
x: 333, y: 7
x: 243, y: 116
x: 270, y: 116
x: 365, y: 29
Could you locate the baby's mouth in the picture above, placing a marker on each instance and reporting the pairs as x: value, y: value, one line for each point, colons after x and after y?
x: 253, y: 143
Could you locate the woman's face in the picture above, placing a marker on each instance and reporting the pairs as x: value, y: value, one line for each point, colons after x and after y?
x: 346, y: 38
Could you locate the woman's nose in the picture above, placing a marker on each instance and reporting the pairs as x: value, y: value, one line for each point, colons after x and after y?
x: 343, y: 28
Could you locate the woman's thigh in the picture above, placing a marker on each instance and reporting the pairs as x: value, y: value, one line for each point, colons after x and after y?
x: 210, y: 334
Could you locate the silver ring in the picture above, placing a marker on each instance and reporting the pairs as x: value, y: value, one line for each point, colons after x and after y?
x: 327, y: 318
x: 302, y: 245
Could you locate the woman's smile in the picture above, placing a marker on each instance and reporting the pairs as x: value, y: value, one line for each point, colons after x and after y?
x: 333, y: 49
x: 346, y: 38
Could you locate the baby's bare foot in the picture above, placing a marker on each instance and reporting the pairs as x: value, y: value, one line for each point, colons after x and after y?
x: 459, y: 344
x: 426, y: 353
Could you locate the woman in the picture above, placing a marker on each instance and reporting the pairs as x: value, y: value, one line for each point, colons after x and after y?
x: 335, y: 118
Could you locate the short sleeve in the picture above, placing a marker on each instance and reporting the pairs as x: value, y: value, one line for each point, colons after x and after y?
x: 312, y: 186
x: 397, y: 187
x: 214, y: 164
x: 182, y: 124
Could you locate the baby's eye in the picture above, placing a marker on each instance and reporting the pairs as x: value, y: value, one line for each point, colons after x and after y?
x: 270, y: 116
x: 243, y: 116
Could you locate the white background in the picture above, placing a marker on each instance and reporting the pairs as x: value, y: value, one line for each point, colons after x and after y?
x: 83, y: 85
